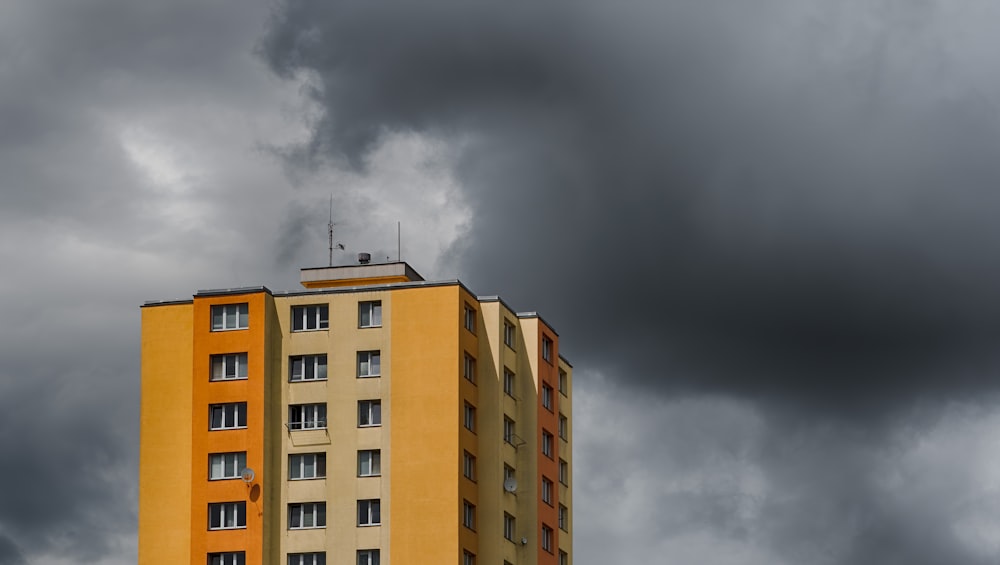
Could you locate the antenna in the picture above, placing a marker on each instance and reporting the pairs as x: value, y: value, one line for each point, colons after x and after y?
x: 399, y: 246
x: 510, y: 484
x: 329, y: 226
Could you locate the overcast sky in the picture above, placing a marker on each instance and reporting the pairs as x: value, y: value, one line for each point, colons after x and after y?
x: 764, y: 230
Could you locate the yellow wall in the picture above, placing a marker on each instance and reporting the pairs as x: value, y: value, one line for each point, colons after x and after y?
x: 425, y: 424
x: 165, y: 433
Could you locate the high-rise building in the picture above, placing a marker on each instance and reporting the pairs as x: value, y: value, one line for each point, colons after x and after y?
x: 370, y: 418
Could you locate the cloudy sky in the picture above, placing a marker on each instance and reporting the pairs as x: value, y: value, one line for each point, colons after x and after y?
x: 765, y: 231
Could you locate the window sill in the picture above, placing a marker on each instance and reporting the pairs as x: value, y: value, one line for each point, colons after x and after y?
x: 362, y: 426
x: 369, y: 476
x: 369, y: 327
x: 229, y: 329
x: 310, y: 330
x: 307, y: 528
x: 291, y: 429
x: 369, y: 525
x: 227, y: 528
x: 369, y: 376
x: 304, y: 478
x: 226, y: 429
x: 223, y: 478
x: 307, y: 380
x: 226, y: 380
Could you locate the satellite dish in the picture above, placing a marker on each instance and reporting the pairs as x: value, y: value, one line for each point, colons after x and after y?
x: 247, y: 475
x: 510, y: 484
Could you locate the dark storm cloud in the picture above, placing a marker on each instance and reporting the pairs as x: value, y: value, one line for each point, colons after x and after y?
x: 783, y: 199
x: 790, y: 204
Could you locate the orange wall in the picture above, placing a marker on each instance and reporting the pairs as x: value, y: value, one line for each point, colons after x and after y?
x: 164, y: 452
x: 251, y: 439
x: 426, y: 412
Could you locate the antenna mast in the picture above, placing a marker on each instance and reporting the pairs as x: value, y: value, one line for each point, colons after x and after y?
x: 330, y: 230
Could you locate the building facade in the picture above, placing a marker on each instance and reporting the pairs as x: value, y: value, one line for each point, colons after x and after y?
x: 372, y: 418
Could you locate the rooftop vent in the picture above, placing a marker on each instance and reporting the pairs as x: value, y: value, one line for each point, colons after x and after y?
x: 364, y: 258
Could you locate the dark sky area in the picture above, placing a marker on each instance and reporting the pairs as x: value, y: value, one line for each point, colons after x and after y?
x: 764, y: 230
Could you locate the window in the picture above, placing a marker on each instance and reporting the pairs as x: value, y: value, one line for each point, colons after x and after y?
x: 508, y: 472
x: 227, y: 416
x: 368, y: 557
x: 230, y: 317
x: 370, y: 314
x: 468, y: 558
x: 563, y: 472
x: 310, y: 318
x: 470, y: 417
x: 547, y: 397
x: 563, y: 427
x: 508, y: 382
x: 470, y: 318
x: 369, y: 413
x: 369, y: 512
x: 546, y: 491
x: 469, y: 466
x: 318, y: 558
x: 563, y: 382
x: 369, y: 364
x: 369, y: 463
x: 547, y: 349
x: 563, y: 518
x: 508, y: 430
x: 469, y: 368
x: 306, y: 515
x: 306, y: 466
x: 306, y: 416
x: 468, y: 515
x: 547, y: 444
x: 509, y: 527
x: 229, y: 367
x: 227, y: 515
x: 509, y: 333
x: 563, y: 558
x: 226, y: 465
x: 307, y: 368
x: 228, y: 558
x: 547, y: 538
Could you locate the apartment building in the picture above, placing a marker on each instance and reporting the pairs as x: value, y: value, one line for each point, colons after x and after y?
x: 370, y: 418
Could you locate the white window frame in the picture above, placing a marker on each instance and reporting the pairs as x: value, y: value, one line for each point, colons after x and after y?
x: 228, y: 367
x: 547, y: 538
x: 369, y: 364
x: 307, y: 416
x: 227, y: 558
x: 234, y: 513
x: 369, y: 512
x: 564, y: 472
x: 563, y: 518
x: 470, y: 318
x: 229, y: 317
x: 547, y: 488
x: 312, y: 558
x: 373, y: 459
x: 469, y: 466
x: 314, y: 512
x: 469, y: 515
x: 509, y: 430
x: 369, y: 413
x: 509, y: 334
x: 563, y: 383
x: 372, y: 309
x: 235, y: 411
x: 307, y: 368
x: 547, y: 442
x: 368, y: 557
x: 229, y: 465
x: 310, y: 317
x: 509, y: 382
x: 469, y: 368
x: 563, y: 427
x: 469, y: 417
x: 300, y: 463
x: 547, y: 397
x: 547, y: 348
x: 509, y: 527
